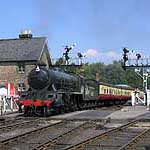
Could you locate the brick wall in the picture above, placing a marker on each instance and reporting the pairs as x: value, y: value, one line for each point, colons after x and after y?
x: 10, y: 74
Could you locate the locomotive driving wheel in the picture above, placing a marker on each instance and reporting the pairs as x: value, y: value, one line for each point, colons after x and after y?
x: 73, y: 101
x: 68, y: 105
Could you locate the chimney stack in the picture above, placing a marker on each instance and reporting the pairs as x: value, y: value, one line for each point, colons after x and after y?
x: 97, y: 77
x: 25, y: 34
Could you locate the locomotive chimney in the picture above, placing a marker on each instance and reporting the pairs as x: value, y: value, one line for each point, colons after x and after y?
x: 97, y: 77
x: 37, y: 68
x: 25, y: 34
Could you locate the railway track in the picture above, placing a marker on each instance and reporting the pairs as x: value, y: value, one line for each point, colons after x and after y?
x: 78, y: 134
x: 4, y: 121
x: 49, y: 135
x: 5, y: 144
x: 122, y: 138
x: 9, y: 132
x: 18, y: 125
x: 57, y: 143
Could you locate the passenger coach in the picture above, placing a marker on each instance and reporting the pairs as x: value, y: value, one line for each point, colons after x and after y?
x: 114, y: 93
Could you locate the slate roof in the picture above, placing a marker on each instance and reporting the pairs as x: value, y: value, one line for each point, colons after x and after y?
x: 21, y: 49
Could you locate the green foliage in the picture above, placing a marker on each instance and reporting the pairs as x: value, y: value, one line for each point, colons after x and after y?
x: 60, y: 61
x: 112, y: 74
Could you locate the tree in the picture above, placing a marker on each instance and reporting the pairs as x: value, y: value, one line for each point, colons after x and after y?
x: 60, y: 61
x: 112, y: 74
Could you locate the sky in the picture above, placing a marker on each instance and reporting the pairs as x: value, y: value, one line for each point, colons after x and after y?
x: 100, y: 28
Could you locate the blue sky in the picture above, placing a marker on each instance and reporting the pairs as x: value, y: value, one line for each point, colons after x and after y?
x: 100, y: 28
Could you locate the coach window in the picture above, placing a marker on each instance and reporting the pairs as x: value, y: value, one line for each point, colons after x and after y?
x: 110, y: 91
x: 116, y: 91
x: 107, y: 91
x: 124, y: 92
x: 104, y: 91
x: 21, y: 68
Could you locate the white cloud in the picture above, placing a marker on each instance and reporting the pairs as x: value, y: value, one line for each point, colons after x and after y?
x: 111, y: 54
x: 91, y: 53
x: 103, y: 56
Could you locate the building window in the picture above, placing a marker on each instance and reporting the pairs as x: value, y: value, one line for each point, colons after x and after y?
x: 21, y: 68
x: 21, y: 87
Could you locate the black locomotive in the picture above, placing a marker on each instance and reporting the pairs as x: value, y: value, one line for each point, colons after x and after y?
x: 54, y: 91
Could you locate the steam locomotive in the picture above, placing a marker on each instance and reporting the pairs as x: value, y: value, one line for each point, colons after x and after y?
x: 55, y: 91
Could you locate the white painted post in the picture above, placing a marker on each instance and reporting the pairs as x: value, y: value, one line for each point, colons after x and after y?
x: 145, y: 98
x: 133, y: 98
x: 80, y: 61
x: 148, y: 97
x: 8, y: 90
x: 4, y: 100
x: 1, y: 105
x: 11, y: 103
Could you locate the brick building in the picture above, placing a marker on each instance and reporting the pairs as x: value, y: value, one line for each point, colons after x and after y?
x: 19, y: 56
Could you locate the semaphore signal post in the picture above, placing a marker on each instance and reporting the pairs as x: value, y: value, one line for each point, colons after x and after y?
x: 141, y: 67
x: 66, y: 62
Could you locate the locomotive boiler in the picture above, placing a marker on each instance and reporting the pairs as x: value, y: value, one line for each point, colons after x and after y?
x: 41, y: 78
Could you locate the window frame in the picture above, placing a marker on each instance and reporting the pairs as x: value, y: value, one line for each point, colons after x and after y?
x: 21, y: 87
x: 21, y: 68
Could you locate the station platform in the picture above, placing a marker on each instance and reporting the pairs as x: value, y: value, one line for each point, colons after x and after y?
x: 126, y: 112
x: 130, y: 112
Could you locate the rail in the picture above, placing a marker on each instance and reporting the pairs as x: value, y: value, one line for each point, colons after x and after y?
x: 82, y: 144
x: 55, y: 140
x: 18, y: 137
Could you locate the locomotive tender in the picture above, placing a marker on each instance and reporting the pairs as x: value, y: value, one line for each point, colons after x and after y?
x: 53, y: 90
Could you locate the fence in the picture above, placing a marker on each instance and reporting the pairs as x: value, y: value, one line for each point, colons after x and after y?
x: 7, y: 105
